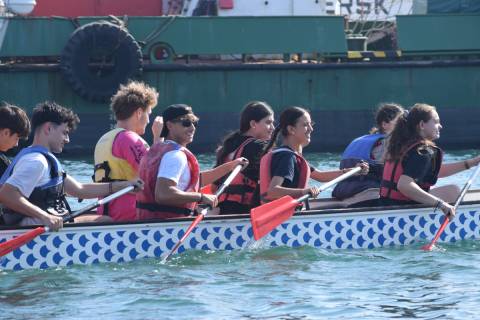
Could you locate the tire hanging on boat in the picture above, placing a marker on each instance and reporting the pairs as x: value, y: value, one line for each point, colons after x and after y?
x: 98, y: 57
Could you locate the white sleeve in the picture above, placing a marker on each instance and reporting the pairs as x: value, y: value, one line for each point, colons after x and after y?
x: 28, y: 173
x: 172, y: 165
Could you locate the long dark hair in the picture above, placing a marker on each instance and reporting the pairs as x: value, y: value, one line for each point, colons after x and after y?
x: 254, y: 110
x: 406, y: 132
x: 386, y: 112
x: 288, y: 117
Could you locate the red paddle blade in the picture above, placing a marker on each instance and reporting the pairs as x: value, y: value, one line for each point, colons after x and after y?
x: 427, y: 247
x: 10, y: 245
x: 207, y: 189
x: 268, y: 216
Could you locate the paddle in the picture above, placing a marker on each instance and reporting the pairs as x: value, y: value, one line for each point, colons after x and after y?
x: 268, y: 216
x: 204, y: 211
x: 429, y: 247
x: 10, y: 245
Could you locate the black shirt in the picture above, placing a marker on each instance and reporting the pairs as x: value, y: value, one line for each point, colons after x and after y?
x: 252, y: 151
x: 284, y: 164
x: 422, y: 164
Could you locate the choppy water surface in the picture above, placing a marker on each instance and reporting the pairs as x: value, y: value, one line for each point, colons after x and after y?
x: 259, y: 283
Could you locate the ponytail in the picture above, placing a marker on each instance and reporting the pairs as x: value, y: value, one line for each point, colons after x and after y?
x: 272, y: 142
x: 386, y: 112
x: 406, y: 131
x: 226, y: 147
x: 288, y: 117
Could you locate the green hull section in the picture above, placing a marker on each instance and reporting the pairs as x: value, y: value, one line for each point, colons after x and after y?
x: 342, y: 97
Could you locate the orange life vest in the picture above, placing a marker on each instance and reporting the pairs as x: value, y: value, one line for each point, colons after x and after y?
x: 393, y: 170
x: 147, y: 207
x: 266, y: 177
x: 242, y: 188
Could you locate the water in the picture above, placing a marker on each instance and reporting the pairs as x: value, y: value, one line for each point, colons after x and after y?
x: 261, y: 283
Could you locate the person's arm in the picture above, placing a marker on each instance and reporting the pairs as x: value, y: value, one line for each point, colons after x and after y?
x: 415, y: 165
x: 275, y: 190
x: 284, y: 169
x: 170, y: 171
x: 96, y: 190
x: 27, y: 174
x: 166, y: 192
x: 412, y: 190
x: 325, y: 176
x: 449, y: 169
x: 209, y: 176
x: 12, y: 198
x: 157, y: 127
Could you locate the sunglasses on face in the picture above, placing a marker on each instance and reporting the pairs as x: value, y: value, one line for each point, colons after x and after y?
x: 187, y: 122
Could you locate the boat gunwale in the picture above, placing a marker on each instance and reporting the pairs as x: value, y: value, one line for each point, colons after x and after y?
x: 334, y: 213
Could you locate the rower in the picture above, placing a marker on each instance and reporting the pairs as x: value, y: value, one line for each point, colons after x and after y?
x: 14, y: 125
x: 414, y: 163
x: 364, y: 189
x: 284, y: 170
x: 119, y: 151
x: 256, y: 127
x: 171, y: 172
x: 34, y: 185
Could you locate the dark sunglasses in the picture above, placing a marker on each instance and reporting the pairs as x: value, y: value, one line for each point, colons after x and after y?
x: 187, y: 122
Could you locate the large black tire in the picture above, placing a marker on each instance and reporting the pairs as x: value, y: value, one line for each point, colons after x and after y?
x: 98, y: 57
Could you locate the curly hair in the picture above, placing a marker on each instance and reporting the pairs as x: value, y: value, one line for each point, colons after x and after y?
x: 132, y: 96
x: 49, y: 111
x: 15, y: 119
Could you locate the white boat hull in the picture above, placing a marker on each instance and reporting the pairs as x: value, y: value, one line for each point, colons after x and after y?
x: 328, y: 229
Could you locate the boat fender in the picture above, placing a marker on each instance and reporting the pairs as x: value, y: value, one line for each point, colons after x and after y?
x: 98, y: 57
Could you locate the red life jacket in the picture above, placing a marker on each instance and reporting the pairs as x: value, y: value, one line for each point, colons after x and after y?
x: 242, y: 188
x: 266, y: 177
x: 147, y: 207
x: 393, y: 170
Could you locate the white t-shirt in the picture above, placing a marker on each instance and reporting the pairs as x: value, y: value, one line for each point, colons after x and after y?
x: 30, y: 171
x: 174, y: 166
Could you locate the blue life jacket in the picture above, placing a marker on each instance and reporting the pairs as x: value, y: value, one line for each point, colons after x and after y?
x: 359, y: 150
x: 50, y: 196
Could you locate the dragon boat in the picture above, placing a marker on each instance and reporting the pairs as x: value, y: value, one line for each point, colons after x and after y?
x: 341, y: 228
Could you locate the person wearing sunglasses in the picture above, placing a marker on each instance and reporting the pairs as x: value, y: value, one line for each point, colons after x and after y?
x: 171, y: 173
x: 119, y: 151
